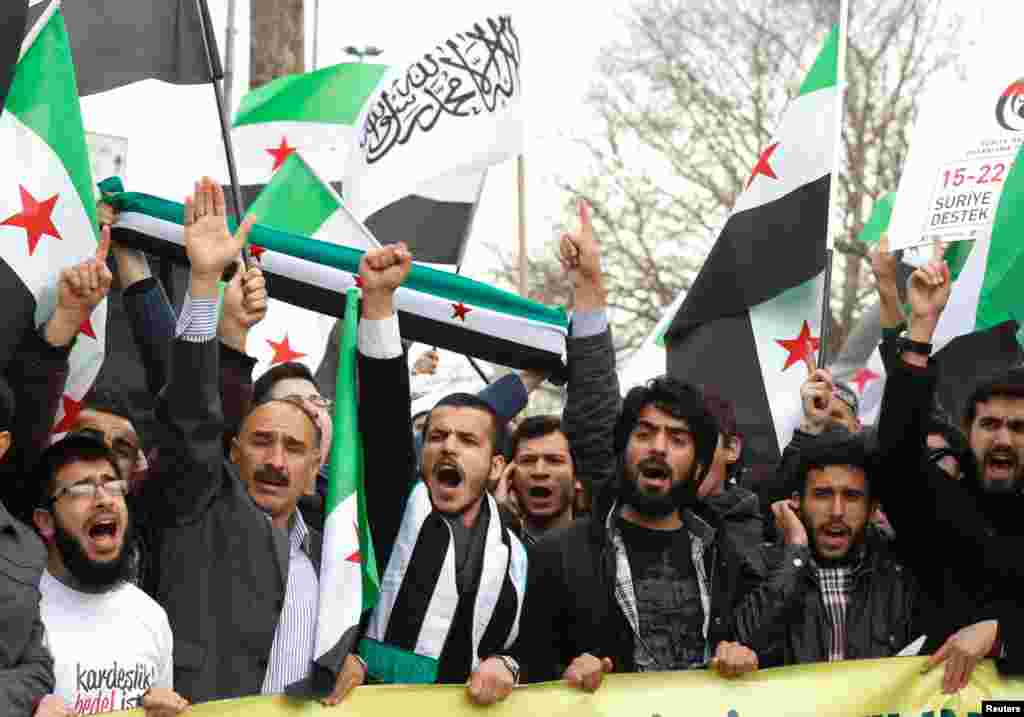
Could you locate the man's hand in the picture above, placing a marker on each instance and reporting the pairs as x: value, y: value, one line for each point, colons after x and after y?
x: 505, y: 495
x: 789, y: 523
x: 105, y: 214
x: 580, y: 256
x: 162, y: 702
x: 80, y: 289
x: 885, y: 265
x: 208, y: 243
x: 816, y: 395
x: 586, y: 672
x: 733, y: 659
x: 382, y: 271
x: 52, y: 706
x: 245, y: 305
x: 927, y: 293
x: 427, y: 363
x: 962, y: 652
x: 490, y: 682
x: 352, y: 675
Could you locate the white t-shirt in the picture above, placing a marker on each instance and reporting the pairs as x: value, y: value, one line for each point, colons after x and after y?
x: 108, y: 648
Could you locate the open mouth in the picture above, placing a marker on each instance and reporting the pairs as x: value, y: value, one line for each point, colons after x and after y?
x: 271, y: 477
x: 654, y: 474
x: 104, y: 531
x: 448, y: 475
x: 1001, y: 464
x: 835, y: 533
x: 540, y: 491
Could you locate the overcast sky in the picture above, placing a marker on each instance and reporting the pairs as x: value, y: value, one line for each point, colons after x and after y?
x: 172, y: 132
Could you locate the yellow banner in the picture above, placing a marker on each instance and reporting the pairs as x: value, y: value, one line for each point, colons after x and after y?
x: 858, y: 688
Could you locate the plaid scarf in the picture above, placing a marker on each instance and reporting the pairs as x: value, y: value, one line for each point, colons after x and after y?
x: 836, y: 585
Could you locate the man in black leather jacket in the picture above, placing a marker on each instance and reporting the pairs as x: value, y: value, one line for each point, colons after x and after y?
x: 836, y: 591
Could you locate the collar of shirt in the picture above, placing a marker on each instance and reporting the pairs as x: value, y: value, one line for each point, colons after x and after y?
x: 298, y: 532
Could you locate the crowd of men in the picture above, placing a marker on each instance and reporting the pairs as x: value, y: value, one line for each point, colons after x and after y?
x: 621, y: 536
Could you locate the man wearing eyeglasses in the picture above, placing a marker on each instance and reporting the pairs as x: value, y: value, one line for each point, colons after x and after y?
x: 111, y: 643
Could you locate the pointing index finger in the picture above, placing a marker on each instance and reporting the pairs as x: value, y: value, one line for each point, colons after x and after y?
x: 104, y: 246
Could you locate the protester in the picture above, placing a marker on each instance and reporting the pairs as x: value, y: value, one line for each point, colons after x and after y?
x: 723, y: 502
x: 836, y: 591
x: 86, y: 524
x: 920, y: 497
x: 235, y: 566
x: 26, y: 667
x: 448, y: 518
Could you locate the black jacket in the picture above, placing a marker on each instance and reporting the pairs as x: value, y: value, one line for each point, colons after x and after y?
x: 219, y: 568
x: 736, y: 511
x: 26, y: 668
x: 571, y: 607
x: 949, y: 533
x: 785, y: 620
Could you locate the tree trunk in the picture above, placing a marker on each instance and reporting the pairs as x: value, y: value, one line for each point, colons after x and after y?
x: 277, y: 40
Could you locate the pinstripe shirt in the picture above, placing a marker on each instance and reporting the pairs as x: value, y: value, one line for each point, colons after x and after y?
x: 291, y: 655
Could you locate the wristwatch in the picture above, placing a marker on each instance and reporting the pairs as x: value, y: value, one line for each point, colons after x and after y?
x: 511, y: 665
x: 907, y: 345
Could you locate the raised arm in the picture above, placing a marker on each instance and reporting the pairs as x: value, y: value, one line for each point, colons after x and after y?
x: 593, y: 400
x: 189, y: 469
x: 384, y: 418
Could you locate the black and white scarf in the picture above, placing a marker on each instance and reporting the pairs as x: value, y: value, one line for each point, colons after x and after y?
x: 419, y: 589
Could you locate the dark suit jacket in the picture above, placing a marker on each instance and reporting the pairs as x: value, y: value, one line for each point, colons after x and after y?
x: 26, y: 668
x: 219, y: 567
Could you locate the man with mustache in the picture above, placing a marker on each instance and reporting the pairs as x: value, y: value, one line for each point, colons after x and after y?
x: 85, y: 522
x: 233, y: 563
x: 837, y: 592
x: 922, y: 501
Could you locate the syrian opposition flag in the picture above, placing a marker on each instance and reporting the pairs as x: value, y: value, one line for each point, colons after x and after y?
x: 315, y: 114
x: 651, y: 359
x: 47, y: 215
x: 117, y: 42
x: 454, y: 111
x: 349, y: 581
x: 752, y: 318
x: 313, y: 270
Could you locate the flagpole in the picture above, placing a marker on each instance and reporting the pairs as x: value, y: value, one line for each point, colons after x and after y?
x: 229, y: 55
x: 833, y: 200
x: 208, y: 46
x: 521, y: 208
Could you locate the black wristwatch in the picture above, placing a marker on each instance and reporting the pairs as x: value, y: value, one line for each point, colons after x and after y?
x: 907, y: 345
x: 511, y: 665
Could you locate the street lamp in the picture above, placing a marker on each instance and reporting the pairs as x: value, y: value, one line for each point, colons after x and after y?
x: 363, y: 52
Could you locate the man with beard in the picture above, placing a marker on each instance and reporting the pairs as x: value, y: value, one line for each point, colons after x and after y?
x: 643, y: 584
x: 112, y: 643
x: 927, y: 508
x: 455, y: 575
x: 837, y: 592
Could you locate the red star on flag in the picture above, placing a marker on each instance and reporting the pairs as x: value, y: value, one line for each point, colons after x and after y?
x: 256, y: 252
x: 283, y: 352
x: 801, y: 348
x: 280, y: 153
x: 359, y: 282
x: 355, y: 557
x: 762, y: 166
x: 863, y: 377
x: 71, y: 410
x: 86, y: 328
x: 35, y: 218
x: 460, y: 310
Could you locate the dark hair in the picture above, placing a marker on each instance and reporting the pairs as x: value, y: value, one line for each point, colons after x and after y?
x: 723, y: 410
x: 678, y: 399
x: 104, y: 400
x: 939, y: 422
x: 72, y: 448
x: 1008, y: 384
x: 470, y: 400
x: 537, y: 427
x: 6, y: 406
x: 290, y: 369
x: 836, y: 447
x: 297, y: 403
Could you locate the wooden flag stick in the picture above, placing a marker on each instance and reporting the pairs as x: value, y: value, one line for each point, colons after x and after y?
x: 521, y: 238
